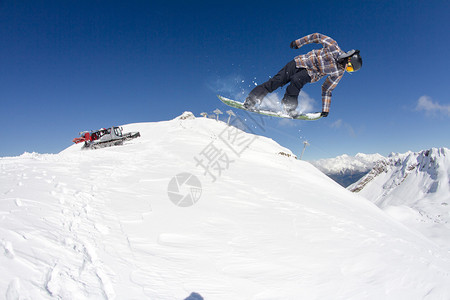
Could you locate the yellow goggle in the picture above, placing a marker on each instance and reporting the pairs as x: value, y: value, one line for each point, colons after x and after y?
x: 349, y: 67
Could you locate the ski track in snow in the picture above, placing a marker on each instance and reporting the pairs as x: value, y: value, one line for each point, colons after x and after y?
x: 99, y: 225
x: 61, y: 254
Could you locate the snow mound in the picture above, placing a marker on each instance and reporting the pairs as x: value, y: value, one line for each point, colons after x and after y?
x: 187, y: 115
x: 105, y: 224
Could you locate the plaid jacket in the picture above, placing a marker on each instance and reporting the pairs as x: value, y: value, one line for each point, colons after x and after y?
x: 322, y: 62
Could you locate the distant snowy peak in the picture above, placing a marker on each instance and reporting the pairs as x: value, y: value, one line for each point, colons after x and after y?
x: 347, y: 164
x: 432, y: 166
x: 346, y: 169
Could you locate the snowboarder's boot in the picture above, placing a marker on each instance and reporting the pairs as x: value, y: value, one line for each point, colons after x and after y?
x: 251, y: 102
x: 290, y: 103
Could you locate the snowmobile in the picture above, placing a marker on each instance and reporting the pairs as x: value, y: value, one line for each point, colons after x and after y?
x: 104, y: 137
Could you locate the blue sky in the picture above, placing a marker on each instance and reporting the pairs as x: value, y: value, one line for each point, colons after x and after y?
x: 68, y: 66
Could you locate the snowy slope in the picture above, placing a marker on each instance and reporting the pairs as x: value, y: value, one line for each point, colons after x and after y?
x: 100, y: 224
x: 415, y: 188
x: 347, y: 169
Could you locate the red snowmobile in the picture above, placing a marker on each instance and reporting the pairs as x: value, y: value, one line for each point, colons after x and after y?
x: 104, y: 137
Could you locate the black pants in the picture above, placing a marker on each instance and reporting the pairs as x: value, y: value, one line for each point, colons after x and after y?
x: 290, y: 73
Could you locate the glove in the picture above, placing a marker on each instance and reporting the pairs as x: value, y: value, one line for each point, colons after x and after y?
x: 294, y: 45
x: 324, y: 114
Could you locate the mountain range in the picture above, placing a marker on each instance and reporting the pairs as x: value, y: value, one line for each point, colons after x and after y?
x: 414, y: 187
x: 346, y: 169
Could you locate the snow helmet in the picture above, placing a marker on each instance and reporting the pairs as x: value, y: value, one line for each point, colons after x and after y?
x: 354, y: 62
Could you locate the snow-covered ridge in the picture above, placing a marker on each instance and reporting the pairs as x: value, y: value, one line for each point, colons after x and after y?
x: 346, y: 164
x: 415, y: 188
x: 346, y: 169
x: 432, y: 162
x: 101, y: 224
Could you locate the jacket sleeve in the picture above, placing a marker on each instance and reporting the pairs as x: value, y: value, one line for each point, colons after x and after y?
x: 327, y: 88
x: 316, y: 38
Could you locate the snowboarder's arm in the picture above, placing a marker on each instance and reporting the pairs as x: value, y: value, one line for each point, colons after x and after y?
x: 327, y: 87
x: 315, y: 38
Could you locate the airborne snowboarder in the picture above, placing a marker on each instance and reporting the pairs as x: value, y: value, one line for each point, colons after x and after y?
x: 328, y: 61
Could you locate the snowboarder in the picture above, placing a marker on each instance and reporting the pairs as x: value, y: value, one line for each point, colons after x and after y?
x: 328, y: 61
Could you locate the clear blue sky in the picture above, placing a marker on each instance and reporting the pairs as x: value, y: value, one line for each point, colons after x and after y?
x: 68, y: 66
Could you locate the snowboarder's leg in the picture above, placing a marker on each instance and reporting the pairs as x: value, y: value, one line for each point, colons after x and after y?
x: 277, y: 81
x: 298, y: 80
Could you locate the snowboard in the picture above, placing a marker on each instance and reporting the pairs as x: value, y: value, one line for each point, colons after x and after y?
x: 240, y: 105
